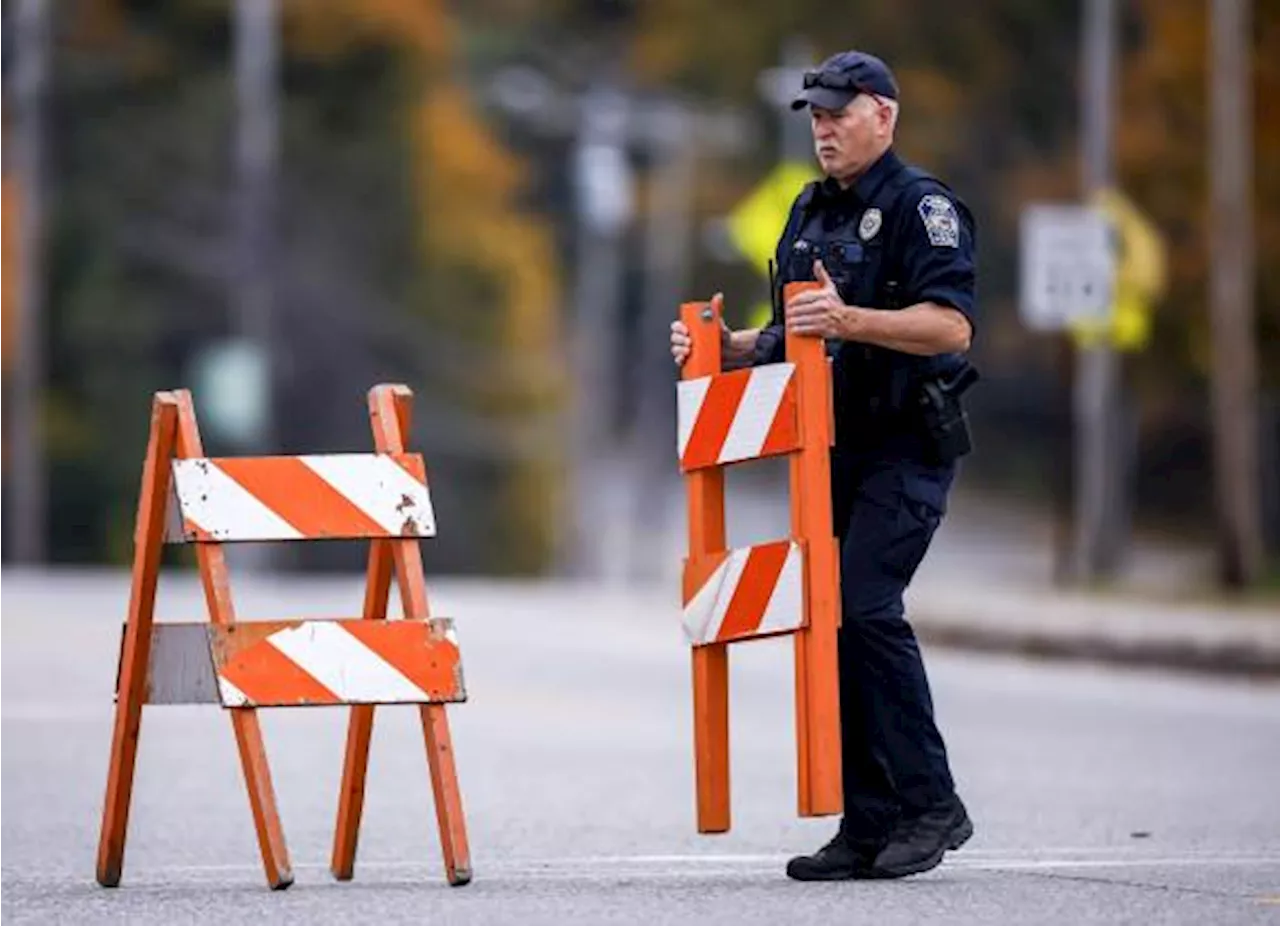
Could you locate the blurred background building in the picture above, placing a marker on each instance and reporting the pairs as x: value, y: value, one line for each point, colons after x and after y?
x: 278, y: 203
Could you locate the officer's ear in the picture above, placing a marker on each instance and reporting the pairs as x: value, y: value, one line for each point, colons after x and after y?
x: 886, y: 113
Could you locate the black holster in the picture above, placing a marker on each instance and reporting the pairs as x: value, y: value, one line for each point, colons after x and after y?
x: 944, y: 422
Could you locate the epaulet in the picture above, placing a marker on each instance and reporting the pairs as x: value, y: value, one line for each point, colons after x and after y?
x: 917, y: 173
x: 913, y: 175
x: 797, y: 215
x: 803, y: 200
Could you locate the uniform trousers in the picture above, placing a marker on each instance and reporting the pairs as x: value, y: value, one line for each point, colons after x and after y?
x: 886, y: 508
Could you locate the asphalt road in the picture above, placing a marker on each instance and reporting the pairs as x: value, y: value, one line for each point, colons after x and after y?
x: 1099, y: 796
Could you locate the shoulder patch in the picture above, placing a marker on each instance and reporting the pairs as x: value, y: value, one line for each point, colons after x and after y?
x: 940, y: 220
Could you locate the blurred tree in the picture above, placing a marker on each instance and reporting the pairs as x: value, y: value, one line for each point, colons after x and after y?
x: 1163, y: 162
x: 406, y: 253
x: 10, y: 321
x: 1162, y: 150
x: 490, y: 268
x: 9, y: 214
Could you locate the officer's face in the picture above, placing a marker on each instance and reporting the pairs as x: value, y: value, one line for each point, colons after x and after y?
x: 848, y: 140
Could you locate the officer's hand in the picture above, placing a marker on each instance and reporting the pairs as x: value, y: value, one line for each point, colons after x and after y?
x: 817, y: 313
x: 682, y: 343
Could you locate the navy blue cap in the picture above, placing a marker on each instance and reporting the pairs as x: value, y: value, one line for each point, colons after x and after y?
x: 834, y: 83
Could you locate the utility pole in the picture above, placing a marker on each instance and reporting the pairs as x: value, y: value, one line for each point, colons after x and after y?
x: 606, y: 123
x: 668, y: 259
x: 673, y: 139
x: 28, y: 490
x: 796, y: 138
x: 1235, y: 361
x: 603, y: 180
x: 257, y: 56
x: 779, y: 86
x: 1098, y: 470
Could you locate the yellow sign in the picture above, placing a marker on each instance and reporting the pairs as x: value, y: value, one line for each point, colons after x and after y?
x: 756, y: 224
x: 1141, y: 275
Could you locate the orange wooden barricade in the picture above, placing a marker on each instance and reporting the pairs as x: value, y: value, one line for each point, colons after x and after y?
x: 770, y: 589
x: 381, y: 497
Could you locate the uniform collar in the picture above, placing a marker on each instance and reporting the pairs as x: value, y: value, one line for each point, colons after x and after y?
x: 868, y: 185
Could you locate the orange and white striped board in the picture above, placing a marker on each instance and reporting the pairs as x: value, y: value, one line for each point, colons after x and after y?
x: 739, y: 594
x: 330, y: 496
x: 738, y: 416
x: 337, y: 662
x: 301, y: 663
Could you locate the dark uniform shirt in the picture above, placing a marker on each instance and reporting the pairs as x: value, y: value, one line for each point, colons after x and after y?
x: 895, y: 238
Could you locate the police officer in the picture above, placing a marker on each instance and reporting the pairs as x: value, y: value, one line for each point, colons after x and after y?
x: 893, y: 250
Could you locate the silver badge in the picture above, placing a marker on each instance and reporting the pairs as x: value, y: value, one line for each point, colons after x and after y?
x: 940, y: 221
x: 870, y: 224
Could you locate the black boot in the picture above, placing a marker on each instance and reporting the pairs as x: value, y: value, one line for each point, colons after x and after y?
x: 839, y: 860
x: 918, y: 843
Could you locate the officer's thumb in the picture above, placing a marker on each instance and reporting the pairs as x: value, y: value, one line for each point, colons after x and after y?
x: 821, y: 275
x: 717, y: 306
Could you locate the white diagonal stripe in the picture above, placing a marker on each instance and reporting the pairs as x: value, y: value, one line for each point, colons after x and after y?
x: 756, y: 411
x: 697, y: 612
x: 344, y: 665
x: 381, y: 488
x: 690, y: 394
x: 451, y: 634
x: 705, y: 612
x: 785, y: 610
x: 226, y: 510
x: 733, y: 568
x: 230, y: 694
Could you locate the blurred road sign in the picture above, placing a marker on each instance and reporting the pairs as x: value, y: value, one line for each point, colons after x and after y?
x: 1139, y: 279
x: 1142, y: 247
x: 756, y: 224
x: 1068, y: 266
x: 782, y: 84
x: 231, y: 378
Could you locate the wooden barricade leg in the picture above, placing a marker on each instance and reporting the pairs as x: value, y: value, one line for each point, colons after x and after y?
x: 360, y: 727
x: 253, y: 754
x: 148, y: 543
x: 818, y: 745
x: 707, y: 536
x: 390, y: 411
